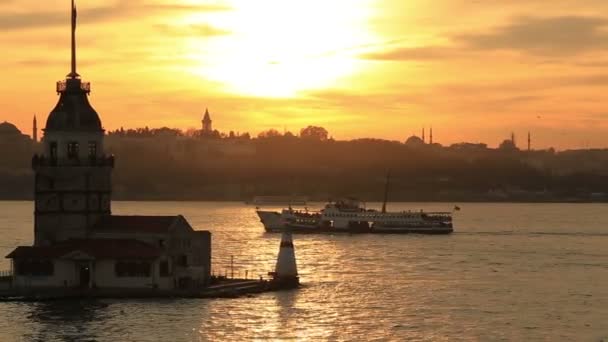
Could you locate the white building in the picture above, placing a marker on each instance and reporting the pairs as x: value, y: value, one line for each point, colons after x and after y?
x: 78, y: 242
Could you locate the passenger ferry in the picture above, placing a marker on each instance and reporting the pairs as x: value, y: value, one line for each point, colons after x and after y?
x: 351, y: 217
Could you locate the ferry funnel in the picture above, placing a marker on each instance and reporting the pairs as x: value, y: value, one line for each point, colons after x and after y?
x: 286, y: 271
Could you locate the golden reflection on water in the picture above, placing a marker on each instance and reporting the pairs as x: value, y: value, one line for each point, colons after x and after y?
x: 502, y: 275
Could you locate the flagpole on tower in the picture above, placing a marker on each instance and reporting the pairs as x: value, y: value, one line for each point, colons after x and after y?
x: 73, y: 73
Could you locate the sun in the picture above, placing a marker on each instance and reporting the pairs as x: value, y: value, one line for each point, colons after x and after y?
x: 280, y: 48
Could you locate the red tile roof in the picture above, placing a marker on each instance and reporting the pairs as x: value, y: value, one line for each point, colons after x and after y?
x: 136, y: 224
x: 97, y: 248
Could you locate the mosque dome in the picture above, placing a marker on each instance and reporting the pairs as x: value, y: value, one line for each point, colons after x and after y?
x: 414, y: 141
x: 73, y: 111
x: 7, y: 128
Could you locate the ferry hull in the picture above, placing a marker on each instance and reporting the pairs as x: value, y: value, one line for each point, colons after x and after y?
x: 322, y: 230
x: 414, y: 230
x: 271, y: 220
x: 275, y: 222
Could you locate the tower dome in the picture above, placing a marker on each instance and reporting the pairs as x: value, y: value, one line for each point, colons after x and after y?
x: 73, y: 111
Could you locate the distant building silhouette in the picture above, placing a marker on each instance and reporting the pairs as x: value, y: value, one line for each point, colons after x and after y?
x: 207, y: 123
x: 466, y: 146
x: 35, y: 130
x: 508, y: 144
x: 13, y: 142
x: 529, y: 142
x: 431, y: 136
x: 7, y: 129
x: 414, y: 141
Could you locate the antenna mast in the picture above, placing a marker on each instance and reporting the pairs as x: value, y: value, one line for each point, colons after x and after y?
x: 73, y: 73
x: 388, y: 176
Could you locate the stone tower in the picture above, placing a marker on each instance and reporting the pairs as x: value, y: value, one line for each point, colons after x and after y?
x: 72, y: 176
x: 207, y: 128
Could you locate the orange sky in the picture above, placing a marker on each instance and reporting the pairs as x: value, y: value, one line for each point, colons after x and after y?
x: 474, y: 70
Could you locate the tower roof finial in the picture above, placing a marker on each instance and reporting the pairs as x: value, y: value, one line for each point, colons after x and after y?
x: 73, y: 73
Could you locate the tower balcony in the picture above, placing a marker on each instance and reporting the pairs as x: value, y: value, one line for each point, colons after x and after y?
x: 69, y: 84
x: 101, y: 161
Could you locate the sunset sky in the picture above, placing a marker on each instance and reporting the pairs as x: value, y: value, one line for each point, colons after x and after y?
x: 474, y: 70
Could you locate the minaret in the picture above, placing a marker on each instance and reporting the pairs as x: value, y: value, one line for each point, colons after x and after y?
x: 207, y: 128
x: 513, y: 138
x: 431, y: 136
x: 529, y: 141
x: 35, y: 130
x: 72, y: 176
x: 423, y: 139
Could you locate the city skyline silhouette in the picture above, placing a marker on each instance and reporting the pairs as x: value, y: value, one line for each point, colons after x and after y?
x: 360, y: 69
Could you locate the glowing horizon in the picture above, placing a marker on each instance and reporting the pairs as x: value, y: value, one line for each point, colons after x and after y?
x: 360, y: 68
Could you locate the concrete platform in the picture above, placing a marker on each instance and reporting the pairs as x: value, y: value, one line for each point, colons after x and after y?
x: 232, y: 288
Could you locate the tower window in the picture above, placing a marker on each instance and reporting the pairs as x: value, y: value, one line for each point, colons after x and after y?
x: 53, y: 150
x: 92, y: 150
x: 72, y: 150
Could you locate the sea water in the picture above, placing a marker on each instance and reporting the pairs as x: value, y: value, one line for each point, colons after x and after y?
x: 518, y: 272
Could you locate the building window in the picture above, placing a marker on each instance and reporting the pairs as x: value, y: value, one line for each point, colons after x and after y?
x: 42, y: 268
x: 134, y: 269
x: 73, y: 150
x: 182, y: 260
x: 92, y: 150
x: 164, y: 268
x: 53, y: 150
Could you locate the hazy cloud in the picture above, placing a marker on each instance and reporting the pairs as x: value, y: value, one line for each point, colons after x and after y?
x: 411, y: 54
x: 559, y: 36
x: 11, y: 20
x: 201, y: 30
x: 551, y: 37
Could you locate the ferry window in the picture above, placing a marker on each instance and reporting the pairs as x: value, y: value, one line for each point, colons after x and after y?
x: 92, y: 149
x: 73, y: 150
